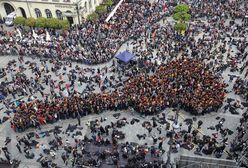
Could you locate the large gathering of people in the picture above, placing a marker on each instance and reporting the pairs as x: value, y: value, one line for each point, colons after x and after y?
x: 93, y: 42
x: 185, y: 81
x: 197, y: 72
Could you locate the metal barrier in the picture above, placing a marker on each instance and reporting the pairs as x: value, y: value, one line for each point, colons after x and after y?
x: 203, y: 162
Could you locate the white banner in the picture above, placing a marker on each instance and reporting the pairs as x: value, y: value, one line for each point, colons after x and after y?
x: 113, y: 12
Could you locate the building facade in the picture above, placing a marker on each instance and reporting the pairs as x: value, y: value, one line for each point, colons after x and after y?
x: 72, y: 10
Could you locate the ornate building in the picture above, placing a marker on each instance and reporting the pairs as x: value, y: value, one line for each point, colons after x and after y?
x: 73, y: 10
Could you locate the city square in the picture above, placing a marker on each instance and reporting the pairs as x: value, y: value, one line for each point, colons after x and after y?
x: 131, y: 88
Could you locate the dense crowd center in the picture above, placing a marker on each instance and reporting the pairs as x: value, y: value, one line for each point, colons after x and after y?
x: 186, y: 82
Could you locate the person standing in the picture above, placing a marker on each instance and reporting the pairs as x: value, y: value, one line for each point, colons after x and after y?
x: 160, y: 145
x: 189, y: 128
x: 19, y: 147
x: 78, y: 118
x: 199, y: 123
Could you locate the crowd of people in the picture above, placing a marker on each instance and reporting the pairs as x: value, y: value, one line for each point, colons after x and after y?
x: 170, y: 70
x: 90, y: 43
x: 184, y: 81
x: 241, y: 88
x: 95, y: 149
x: 239, y: 146
x: 195, y: 89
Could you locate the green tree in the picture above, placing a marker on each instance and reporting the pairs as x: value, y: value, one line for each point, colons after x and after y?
x: 53, y: 23
x: 181, y: 15
x: 30, y: 22
x: 64, y: 24
x: 93, y: 16
x: 108, y: 2
x: 101, y: 9
x: 20, y: 20
x: 41, y: 22
x: 181, y: 8
x: 180, y: 27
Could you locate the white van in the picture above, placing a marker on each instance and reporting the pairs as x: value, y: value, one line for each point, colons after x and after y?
x: 9, y: 20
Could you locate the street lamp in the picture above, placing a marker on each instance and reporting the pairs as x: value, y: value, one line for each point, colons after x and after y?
x: 79, y: 9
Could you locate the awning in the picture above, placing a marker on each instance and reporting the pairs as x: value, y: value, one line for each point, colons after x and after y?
x: 125, y: 56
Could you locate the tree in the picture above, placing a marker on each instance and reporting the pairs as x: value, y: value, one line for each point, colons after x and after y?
x: 64, y: 24
x: 53, y: 23
x: 180, y: 27
x: 93, y: 16
x: 101, y: 9
x: 181, y: 15
x: 41, y: 22
x: 108, y: 2
x: 30, y: 22
x: 19, y: 20
x: 181, y: 8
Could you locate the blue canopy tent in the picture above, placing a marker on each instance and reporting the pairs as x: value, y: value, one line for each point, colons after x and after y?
x: 125, y: 56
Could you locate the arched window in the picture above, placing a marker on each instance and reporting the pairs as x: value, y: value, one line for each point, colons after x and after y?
x: 48, y: 13
x: 37, y: 12
x: 8, y: 8
x: 90, y: 4
x: 95, y: 2
x: 85, y: 6
x: 59, y: 14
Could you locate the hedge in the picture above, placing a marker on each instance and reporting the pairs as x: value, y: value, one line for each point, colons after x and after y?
x: 52, y: 23
x: 101, y: 9
x: 64, y: 24
x: 30, y: 22
x: 43, y: 22
x: 19, y: 20
x: 108, y: 2
x: 93, y: 16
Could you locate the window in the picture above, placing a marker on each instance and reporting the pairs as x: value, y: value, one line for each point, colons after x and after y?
x: 90, y: 4
x: 48, y: 13
x: 37, y: 12
x: 85, y: 6
x: 95, y: 2
x: 59, y: 14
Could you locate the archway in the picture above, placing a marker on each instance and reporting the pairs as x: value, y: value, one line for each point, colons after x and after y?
x: 69, y: 17
x: 8, y: 8
x: 21, y: 12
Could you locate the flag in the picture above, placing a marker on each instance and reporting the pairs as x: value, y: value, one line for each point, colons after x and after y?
x: 19, y: 33
x: 48, y: 37
x: 34, y: 34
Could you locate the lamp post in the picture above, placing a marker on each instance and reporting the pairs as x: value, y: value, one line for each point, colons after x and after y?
x: 78, y: 9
